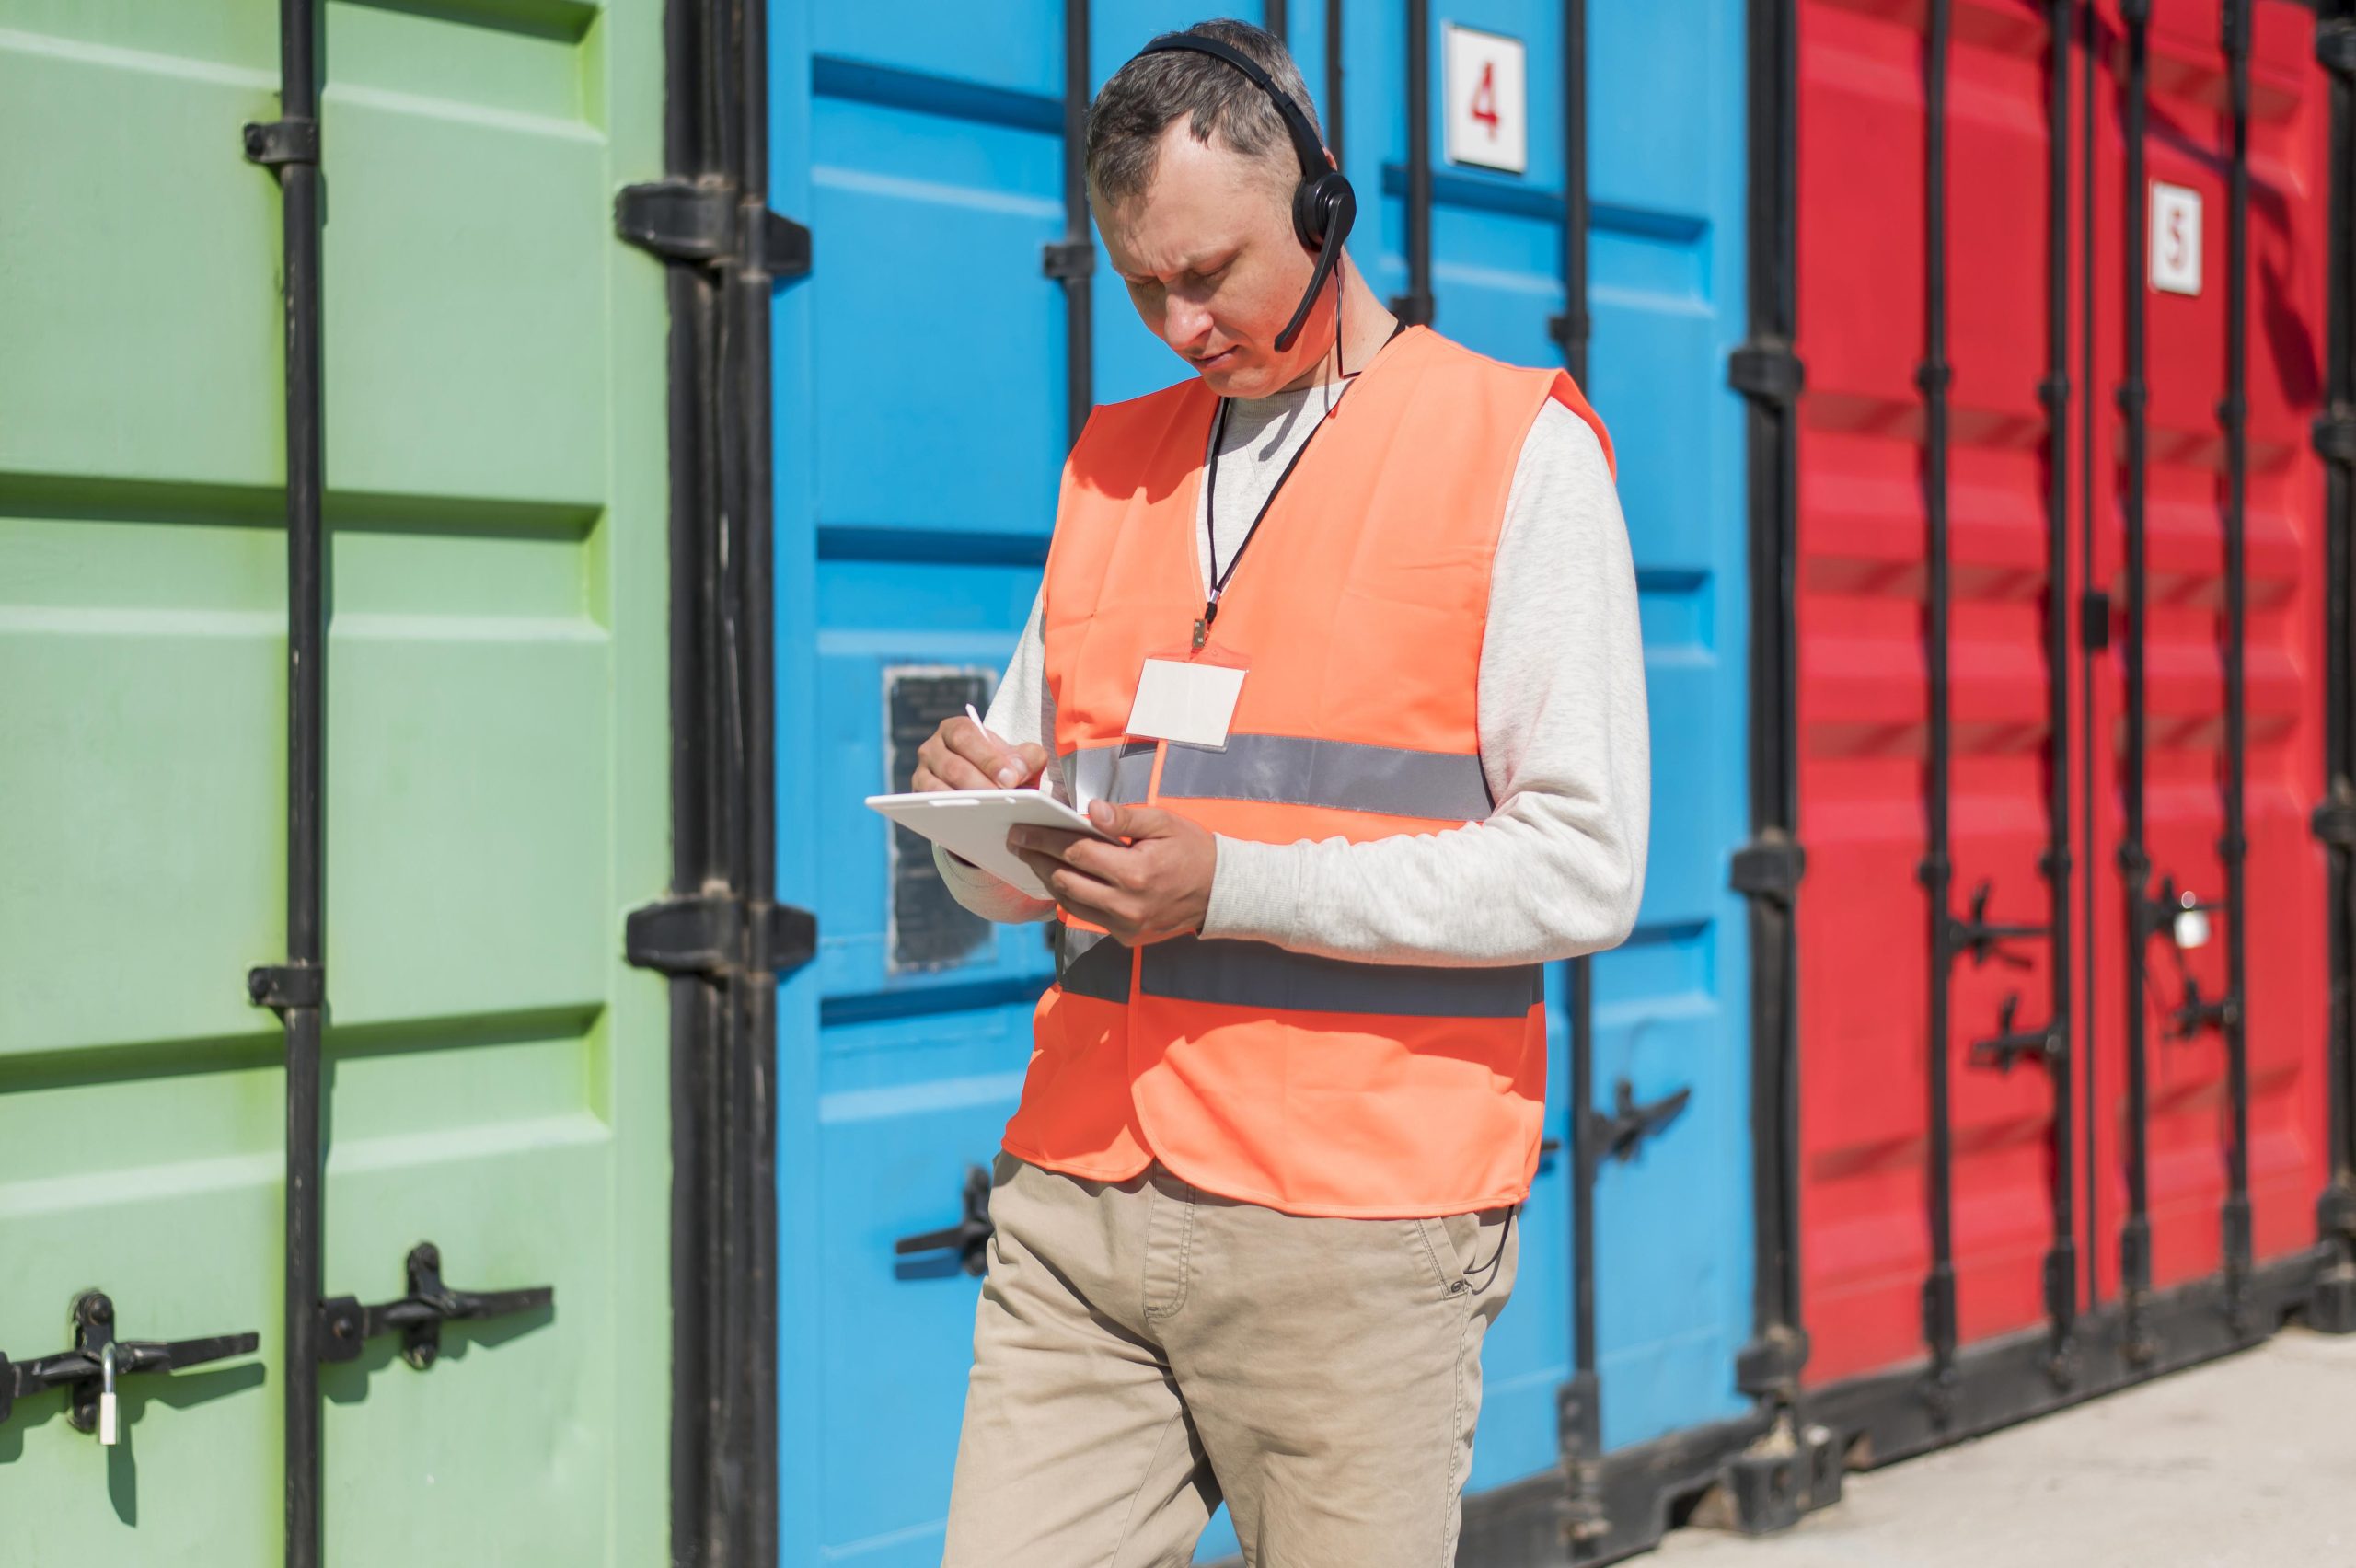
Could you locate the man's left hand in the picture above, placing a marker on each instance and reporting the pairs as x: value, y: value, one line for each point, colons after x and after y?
x: 1155, y: 886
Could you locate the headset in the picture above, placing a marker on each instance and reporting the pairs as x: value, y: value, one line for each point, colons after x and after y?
x: 1324, y: 205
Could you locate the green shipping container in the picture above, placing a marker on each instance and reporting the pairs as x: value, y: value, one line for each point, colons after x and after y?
x: 499, y: 785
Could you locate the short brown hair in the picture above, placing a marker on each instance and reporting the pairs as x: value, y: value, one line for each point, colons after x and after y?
x: 1133, y: 110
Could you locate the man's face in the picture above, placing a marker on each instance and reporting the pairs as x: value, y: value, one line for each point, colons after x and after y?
x: 1214, y: 268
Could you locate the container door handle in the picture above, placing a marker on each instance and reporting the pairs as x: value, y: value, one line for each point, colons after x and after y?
x: 346, y: 1324
x: 83, y: 1369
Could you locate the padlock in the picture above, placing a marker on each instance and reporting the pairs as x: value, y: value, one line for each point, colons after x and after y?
x: 2191, y: 924
x: 106, y: 1397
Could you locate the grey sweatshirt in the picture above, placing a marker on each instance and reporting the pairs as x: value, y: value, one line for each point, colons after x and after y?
x: 1558, y: 867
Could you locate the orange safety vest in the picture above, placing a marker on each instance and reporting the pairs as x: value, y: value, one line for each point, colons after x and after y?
x: 1310, y: 1085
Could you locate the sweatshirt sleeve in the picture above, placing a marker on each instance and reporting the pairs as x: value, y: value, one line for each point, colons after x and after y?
x: 1022, y: 710
x: 1558, y: 867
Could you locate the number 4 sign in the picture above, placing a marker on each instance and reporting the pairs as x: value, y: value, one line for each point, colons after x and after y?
x: 1488, y: 98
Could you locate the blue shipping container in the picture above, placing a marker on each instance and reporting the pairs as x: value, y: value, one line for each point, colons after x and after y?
x: 922, y: 414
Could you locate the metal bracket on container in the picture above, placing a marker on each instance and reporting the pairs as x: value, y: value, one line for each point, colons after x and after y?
x: 2336, y: 47
x: 282, y: 986
x: 1767, y: 867
x: 84, y: 1370
x: 2334, y: 821
x: 345, y: 1324
x: 1767, y: 370
x: 2335, y: 432
x: 1770, y: 1366
x: 969, y: 1238
x: 1980, y: 936
x: 2008, y: 1045
x: 2196, y: 1012
x: 273, y: 142
x: 1569, y: 327
x: 1067, y: 259
x: 703, y: 934
x: 2093, y: 620
x: 701, y: 222
x: 1617, y: 1136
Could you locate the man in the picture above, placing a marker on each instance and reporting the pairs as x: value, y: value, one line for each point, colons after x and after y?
x: 1338, y: 646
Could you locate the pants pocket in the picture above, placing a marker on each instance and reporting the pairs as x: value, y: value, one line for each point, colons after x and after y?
x: 1468, y: 1250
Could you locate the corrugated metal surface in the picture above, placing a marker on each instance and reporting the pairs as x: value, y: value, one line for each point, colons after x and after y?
x: 1867, y: 727
x: 495, y: 788
x: 920, y: 423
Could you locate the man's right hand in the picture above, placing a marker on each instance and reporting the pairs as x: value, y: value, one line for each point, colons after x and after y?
x: 963, y: 755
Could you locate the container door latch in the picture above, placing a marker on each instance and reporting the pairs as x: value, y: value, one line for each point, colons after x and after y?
x: 346, y: 1324
x: 89, y: 1370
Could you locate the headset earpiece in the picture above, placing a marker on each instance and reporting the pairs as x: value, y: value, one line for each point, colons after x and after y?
x: 1323, y: 210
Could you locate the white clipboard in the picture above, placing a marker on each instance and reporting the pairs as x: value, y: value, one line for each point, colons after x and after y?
x: 973, y: 824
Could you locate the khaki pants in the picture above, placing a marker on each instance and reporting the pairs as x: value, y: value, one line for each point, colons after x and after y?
x: 1143, y: 1350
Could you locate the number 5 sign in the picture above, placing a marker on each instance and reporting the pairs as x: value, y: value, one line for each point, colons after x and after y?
x: 1488, y: 98
x: 2175, y: 239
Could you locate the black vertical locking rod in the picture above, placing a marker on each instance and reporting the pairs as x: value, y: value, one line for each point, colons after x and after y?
x: 2061, y: 1258
x: 297, y: 990
x: 2235, y: 416
x: 1416, y: 307
x: 1937, y: 872
x: 1767, y: 871
x: 1076, y: 266
x: 2134, y: 859
x: 1333, y: 82
x: 749, y: 285
x: 1582, y: 1437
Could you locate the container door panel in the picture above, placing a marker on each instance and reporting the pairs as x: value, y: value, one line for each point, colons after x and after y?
x: 920, y: 425
x: 1865, y: 676
x: 2188, y: 293
x: 495, y: 777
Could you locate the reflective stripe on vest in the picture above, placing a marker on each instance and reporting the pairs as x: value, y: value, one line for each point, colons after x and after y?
x: 1315, y: 1085
x: 1264, y: 976
x: 1292, y: 770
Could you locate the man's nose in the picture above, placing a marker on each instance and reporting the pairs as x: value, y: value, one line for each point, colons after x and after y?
x: 1185, y: 324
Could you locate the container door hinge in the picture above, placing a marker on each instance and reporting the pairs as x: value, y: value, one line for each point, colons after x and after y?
x: 1768, y: 369
x: 1570, y: 327
x: 2334, y: 821
x: 2335, y: 431
x: 1770, y: 1366
x: 701, y: 222
x: 715, y: 934
x: 345, y: 1325
x: 2336, y: 47
x: 89, y: 1369
x: 1770, y: 866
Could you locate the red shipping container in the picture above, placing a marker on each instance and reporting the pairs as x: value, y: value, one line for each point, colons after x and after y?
x: 1979, y: 1157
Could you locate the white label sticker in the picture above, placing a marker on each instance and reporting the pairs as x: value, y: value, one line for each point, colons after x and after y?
x: 2175, y: 239
x: 1488, y: 98
x: 1187, y: 703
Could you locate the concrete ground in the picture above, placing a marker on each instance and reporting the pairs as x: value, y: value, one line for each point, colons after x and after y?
x: 2249, y: 1462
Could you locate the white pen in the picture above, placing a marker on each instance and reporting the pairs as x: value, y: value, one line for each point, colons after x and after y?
x: 977, y: 717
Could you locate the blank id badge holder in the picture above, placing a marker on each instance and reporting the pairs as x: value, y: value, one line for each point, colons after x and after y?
x: 1187, y: 695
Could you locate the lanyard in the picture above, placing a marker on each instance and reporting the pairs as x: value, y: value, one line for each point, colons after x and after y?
x: 1210, y: 501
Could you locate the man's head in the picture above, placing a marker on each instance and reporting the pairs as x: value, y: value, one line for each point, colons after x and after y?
x: 1191, y: 172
